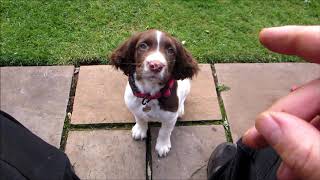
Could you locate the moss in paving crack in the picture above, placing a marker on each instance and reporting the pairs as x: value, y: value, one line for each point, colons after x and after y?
x: 219, y: 89
x: 225, y: 121
x: 222, y: 87
x: 201, y: 122
x: 79, y: 127
x: 66, y: 125
x: 65, y: 132
x: 228, y: 131
x: 148, y: 156
x: 190, y: 123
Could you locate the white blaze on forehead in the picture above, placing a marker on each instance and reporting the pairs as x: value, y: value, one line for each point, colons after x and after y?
x: 158, y: 34
x: 156, y: 55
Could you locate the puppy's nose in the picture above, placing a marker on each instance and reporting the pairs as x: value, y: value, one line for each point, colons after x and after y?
x: 155, y: 66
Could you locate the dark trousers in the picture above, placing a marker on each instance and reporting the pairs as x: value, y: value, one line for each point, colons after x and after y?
x: 24, y: 155
x: 250, y: 164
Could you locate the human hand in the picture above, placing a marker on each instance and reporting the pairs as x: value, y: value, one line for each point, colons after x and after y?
x: 292, y: 125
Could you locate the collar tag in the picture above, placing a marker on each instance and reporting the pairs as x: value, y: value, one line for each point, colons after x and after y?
x: 146, y: 108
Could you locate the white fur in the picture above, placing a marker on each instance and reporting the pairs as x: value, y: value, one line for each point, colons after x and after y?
x: 156, y: 55
x: 159, y: 57
x: 167, y: 118
x: 158, y: 40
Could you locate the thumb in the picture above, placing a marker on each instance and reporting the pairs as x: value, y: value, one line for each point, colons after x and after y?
x: 285, y: 173
x: 296, y: 141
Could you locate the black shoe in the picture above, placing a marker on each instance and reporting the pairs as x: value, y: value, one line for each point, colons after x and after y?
x: 220, y: 158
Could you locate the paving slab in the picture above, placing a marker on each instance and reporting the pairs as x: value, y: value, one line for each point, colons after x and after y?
x: 37, y: 97
x: 106, y: 154
x: 99, y: 96
x: 255, y: 87
x: 100, y: 90
x: 190, y: 152
x: 202, y: 102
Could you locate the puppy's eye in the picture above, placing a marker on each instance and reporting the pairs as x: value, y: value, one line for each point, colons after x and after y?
x: 143, y: 46
x: 170, y: 51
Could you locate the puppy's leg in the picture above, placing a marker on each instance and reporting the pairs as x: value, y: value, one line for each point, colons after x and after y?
x: 183, y: 90
x: 181, y: 109
x: 139, y: 130
x: 163, y: 141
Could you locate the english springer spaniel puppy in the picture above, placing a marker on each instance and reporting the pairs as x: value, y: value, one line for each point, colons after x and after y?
x: 159, y: 70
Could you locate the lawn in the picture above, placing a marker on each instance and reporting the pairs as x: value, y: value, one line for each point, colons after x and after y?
x: 85, y: 32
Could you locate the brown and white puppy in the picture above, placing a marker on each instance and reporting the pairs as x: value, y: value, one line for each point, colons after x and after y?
x: 159, y: 71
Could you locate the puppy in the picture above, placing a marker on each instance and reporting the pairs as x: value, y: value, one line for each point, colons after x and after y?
x: 159, y: 70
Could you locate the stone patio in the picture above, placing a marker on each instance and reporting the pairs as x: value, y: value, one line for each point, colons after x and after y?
x: 100, y: 144
x: 106, y: 154
x: 191, y: 148
x: 37, y: 97
x: 255, y: 87
x: 100, y: 90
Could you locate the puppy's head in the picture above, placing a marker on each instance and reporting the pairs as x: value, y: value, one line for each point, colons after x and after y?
x: 154, y: 55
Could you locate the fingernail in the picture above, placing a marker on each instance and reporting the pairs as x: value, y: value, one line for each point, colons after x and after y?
x: 281, y: 171
x: 284, y: 172
x: 247, y: 132
x: 269, y: 128
x: 247, y: 135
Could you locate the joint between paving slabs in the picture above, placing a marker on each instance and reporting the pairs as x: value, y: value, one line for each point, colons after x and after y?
x: 105, y: 126
x: 127, y: 126
x: 90, y: 61
x: 190, y: 123
x: 178, y: 123
x: 148, y: 156
x: 225, y: 121
x: 66, y: 124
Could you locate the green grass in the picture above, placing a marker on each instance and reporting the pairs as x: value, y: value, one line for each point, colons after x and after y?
x: 80, y: 32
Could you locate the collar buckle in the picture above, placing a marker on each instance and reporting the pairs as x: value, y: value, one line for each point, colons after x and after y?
x: 145, y: 100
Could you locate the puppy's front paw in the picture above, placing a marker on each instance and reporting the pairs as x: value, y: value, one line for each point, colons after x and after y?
x: 163, y: 148
x: 139, y: 132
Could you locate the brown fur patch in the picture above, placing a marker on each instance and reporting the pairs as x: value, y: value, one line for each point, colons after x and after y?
x: 129, y: 57
x: 185, y: 66
x: 124, y: 56
x: 170, y: 103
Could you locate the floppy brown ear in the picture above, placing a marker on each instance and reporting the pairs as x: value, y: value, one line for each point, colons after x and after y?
x: 123, y: 56
x: 185, y: 66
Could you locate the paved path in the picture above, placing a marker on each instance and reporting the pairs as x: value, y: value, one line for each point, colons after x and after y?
x: 97, y: 137
x: 37, y: 97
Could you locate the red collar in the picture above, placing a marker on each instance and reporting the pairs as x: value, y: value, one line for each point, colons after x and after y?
x: 164, y: 92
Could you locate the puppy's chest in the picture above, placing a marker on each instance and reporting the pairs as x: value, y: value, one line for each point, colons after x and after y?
x: 151, y: 111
